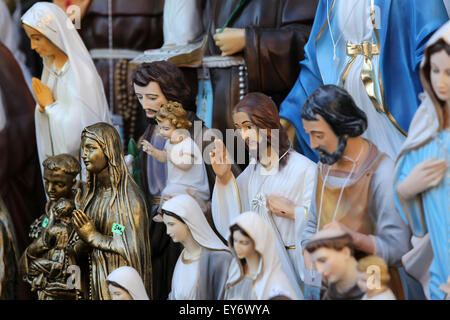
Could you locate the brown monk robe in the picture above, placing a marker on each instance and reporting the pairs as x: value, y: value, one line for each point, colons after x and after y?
x: 20, y: 177
x: 137, y: 25
x: 275, y: 34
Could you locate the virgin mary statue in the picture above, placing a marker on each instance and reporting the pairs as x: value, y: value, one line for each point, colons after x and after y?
x: 112, y: 217
x: 70, y: 93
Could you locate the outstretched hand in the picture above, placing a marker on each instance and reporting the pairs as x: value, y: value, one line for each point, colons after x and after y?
x: 220, y: 162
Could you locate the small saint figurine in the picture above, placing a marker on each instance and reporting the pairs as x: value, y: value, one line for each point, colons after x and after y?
x: 70, y: 93
x: 49, y: 270
x: 186, y: 172
x: 125, y: 283
x: 422, y: 176
x: 331, y: 253
x: 44, y: 263
x: 201, y: 270
x: 256, y: 272
x: 374, y: 279
x: 111, y: 217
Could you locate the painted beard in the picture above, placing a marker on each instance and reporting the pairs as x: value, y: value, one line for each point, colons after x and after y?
x: 331, y: 158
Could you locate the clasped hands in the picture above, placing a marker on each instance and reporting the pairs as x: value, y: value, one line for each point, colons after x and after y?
x: 84, y: 225
x: 42, y: 93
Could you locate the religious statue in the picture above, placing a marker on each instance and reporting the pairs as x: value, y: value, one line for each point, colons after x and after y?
x: 69, y: 94
x: 277, y: 184
x: 256, y: 272
x: 44, y: 264
x: 114, y: 36
x: 331, y: 253
x: 201, y: 270
x: 373, y: 49
x: 186, y: 172
x: 422, y: 170
x: 373, y: 279
x: 353, y: 190
x: 155, y: 84
x: 125, y: 283
x: 253, y: 46
x: 111, y: 216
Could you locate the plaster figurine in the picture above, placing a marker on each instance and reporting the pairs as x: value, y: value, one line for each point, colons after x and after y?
x: 422, y: 169
x: 256, y: 272
x: 331, y: 253
x: 372, y: 49
x: 69, y: 94
x: 125, y: 283
x: 155, y: 84
x: 277, y: 184
x: 186, y: 172
x: 201, y: 269
x: 353, y: 190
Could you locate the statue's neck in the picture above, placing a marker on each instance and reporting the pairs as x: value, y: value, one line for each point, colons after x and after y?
x: 103, y: 180
x: 349, y: 277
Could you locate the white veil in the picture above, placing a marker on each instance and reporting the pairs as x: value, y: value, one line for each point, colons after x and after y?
x: 129, y: 278
x: 55, y: 25
x: 425, y: 122
x: 189, y: 210
x: 271, y: 279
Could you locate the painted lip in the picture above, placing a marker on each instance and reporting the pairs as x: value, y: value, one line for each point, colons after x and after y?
x: 150, y: 112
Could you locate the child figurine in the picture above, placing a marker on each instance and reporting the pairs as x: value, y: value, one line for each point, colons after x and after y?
x: 331, y: 253
x: 185, y: 166
x: 60, y: 174
x: 125, y: 283
x: 376, y: 269
x: 49, y: 271
x: 54, y: 241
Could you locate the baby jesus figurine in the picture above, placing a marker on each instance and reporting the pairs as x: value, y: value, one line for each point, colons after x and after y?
x: 186, y: 171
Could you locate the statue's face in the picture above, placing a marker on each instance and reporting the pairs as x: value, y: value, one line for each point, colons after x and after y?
x: 330, y: 263
x: 166, y: 129
x: 176, y: 229
x: 247, y: 129
x: 440, y: 74
x: 117, y: 293
x: 321, y: 136
x: 323, y: 139
x: 58, y: 184
x: 92, y: 154
x: 39, y: 43
x: 150, y: 97
x: 244, y: 246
